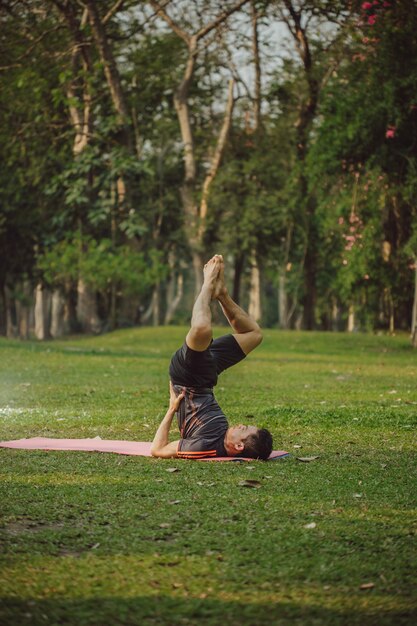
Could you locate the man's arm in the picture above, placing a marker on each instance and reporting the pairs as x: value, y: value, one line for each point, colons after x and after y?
x: 160, y: 446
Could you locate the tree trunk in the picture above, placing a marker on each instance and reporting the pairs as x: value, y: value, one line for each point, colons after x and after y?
x: 113, y: 305
x: 282, y: 300
x: 173, y: 299
x: 310, y: 292
x: 254, y: 309
x: 57, y: 314
x: 107, y: 58
x: 11, y: 314
x: 391, y: 313
x: 351, y: 319
x: 70, y: 308
x: 194, y: 215
x: 237, y: 277
x: 414, y: 314
x: 153, y: 309
x: 198, y: 264
x: 87, y: 309
x: 257, y: 101
x: 156, y: 299
x: 23, y: 306
x: 42, y: 312
x: 114, y: 83
x: 335, y: 315
x: 306, y: 114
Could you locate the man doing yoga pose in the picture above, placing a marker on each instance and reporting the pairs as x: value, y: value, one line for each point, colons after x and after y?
x: 194, y: 370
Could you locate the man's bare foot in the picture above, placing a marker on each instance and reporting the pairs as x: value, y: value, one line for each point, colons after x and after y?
x: 211, y: 272
x: 220, y: 286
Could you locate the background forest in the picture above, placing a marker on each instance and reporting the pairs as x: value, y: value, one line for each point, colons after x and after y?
x: 140, y: 137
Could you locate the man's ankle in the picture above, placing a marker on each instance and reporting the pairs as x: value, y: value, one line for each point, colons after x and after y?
x: 223, y: 296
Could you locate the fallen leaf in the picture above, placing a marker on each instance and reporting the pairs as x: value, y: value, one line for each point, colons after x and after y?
x: 367, y: 586
x: 255, y: 484
x: 296, y: 445
x: 310, y: 525
x: 307, y: 459
x: 175, y: 501
x: 357, y: 495
x: 171, y: 470
x: 164, y: 525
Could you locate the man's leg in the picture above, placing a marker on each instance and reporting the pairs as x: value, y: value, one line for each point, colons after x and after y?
x: 200, y: 334
x: 247, y: 332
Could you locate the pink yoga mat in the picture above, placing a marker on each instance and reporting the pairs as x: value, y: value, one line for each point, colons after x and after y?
x: 134, y: 448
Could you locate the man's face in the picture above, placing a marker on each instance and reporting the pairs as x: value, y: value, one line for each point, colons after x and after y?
x: 238, y: 434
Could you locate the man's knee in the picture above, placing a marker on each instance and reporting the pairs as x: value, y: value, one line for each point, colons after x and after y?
x: 199, y: 336
x: 258, y: 336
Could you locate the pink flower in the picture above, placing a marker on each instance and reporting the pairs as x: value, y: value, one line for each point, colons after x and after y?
x: 366, y: 277
x: 366, y: 5
x: 390, y: 132
x: 371, y: 20
x: 341, y: 220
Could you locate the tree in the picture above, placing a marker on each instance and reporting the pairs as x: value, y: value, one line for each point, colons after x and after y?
x: 195, y: 213
x: 314, y: 51
x: 364, y: 157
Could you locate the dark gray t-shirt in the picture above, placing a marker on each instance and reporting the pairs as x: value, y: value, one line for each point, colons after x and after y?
x: 201, y: 421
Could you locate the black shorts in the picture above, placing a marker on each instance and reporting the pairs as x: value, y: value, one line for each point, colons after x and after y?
x: 190, y: 368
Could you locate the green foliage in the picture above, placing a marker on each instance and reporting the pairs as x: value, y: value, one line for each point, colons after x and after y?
x: 361, y: 163
x: 100, y: 264
x: 360, y: 152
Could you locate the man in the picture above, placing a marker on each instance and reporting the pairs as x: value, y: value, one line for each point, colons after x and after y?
x: 194, y: 370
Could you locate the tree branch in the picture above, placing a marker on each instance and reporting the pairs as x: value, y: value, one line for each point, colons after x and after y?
x: 112, y: 11
x: 160, y: 10
x: 221, y: 18
x: 218, y: 153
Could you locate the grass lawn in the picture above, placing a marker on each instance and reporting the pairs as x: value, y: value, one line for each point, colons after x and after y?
x: 105, y: 539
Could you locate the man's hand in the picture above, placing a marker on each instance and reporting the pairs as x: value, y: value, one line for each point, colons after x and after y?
x: 174, y: 400
x: 160, y: 446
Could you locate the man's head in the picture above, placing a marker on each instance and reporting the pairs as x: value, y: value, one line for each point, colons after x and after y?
x: 249, y: 441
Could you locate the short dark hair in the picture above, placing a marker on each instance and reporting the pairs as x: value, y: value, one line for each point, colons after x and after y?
x: 258, y: 446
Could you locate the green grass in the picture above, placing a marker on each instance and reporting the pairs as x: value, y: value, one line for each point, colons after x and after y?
x: 103, y: 539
